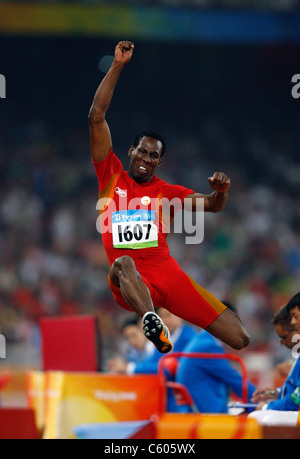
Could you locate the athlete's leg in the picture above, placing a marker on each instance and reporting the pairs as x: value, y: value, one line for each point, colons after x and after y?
x: 188, y: 300
x: 229, y: 329
x: 135, y: 292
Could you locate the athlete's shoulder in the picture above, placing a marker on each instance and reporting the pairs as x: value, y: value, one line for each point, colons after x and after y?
x: 110, y: 158
x: 108, y: 167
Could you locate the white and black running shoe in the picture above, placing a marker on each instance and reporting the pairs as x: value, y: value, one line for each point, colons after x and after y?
x: 157, y: 332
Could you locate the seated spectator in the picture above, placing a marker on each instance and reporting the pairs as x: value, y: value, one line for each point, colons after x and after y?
x: 285, y: 332
x: 293, y: 308
x: 209, y: 382
x: 281, y: 406
x: 181, y: 334
x: 138, y: 349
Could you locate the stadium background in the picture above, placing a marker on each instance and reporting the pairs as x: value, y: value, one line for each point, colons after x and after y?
x: 215, y: 81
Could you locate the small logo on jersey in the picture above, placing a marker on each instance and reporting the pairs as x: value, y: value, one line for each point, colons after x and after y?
x: 120, y: 192
x: 145, y: 200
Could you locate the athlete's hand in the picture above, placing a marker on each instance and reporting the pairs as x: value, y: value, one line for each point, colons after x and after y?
x: 123, y: 52
x: 219, y: 182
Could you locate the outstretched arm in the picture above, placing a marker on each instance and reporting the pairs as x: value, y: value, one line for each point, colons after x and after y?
x: 216, y: 201
x: 100, y: 138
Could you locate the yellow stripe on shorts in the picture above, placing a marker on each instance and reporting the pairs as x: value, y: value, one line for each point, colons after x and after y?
x: 217, y: 305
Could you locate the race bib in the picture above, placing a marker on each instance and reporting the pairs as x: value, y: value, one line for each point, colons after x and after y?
x: 134, y: 229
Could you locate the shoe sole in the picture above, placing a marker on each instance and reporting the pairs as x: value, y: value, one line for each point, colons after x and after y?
x: 155, y: 330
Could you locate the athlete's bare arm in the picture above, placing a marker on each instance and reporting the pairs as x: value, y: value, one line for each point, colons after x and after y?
x: 216, y: 201
x: 100, y: 137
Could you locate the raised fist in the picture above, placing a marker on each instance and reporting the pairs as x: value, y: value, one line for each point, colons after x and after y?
x: 123, y: 52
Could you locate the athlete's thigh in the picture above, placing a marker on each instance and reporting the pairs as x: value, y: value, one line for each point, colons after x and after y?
x: 116, y: 291
x: 189, y: 300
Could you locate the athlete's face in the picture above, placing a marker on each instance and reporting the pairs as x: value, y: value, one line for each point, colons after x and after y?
x: 144, y: 159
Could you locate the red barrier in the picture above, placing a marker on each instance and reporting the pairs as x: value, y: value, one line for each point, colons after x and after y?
x: 17, y: 424
x: 70, y: 343
x: 203, y: 355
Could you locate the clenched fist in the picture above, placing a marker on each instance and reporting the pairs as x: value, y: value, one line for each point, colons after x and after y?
x: 123, y: 52
x: 219, y: 182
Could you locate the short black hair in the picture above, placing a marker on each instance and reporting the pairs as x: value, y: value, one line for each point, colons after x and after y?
x: 130, y: 321
x: 294, y: 302
x: 282, y: 317
x: 153, y: 135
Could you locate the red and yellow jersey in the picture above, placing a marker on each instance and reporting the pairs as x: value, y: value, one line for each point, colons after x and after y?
x: 135, y: 217
x: 134, y: 220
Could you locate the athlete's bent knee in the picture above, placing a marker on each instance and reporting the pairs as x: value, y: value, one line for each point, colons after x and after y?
x: 122, y: 265
x: 240, y: 341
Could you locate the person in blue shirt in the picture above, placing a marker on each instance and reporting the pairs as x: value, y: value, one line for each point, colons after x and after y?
x: 293, y: 308
x: 135, y: 349
x: 181, y: 335
x: 149, y: 356
x: 209, y: 382
x: 289, y: 393
x: 284, y: 404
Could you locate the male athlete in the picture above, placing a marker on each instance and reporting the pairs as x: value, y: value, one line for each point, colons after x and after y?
x: 142, y: 273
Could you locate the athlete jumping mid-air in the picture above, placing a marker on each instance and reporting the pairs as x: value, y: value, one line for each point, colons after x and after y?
x: 142, y: 274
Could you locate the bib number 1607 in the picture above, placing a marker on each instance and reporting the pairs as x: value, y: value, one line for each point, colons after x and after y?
x: 136, y: 232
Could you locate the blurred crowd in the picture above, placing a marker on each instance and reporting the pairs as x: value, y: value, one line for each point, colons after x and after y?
x: 52, y: 261
x: 285, y: 5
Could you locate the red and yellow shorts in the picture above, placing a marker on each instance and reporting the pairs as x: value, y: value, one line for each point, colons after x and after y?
x: 172, y: 289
